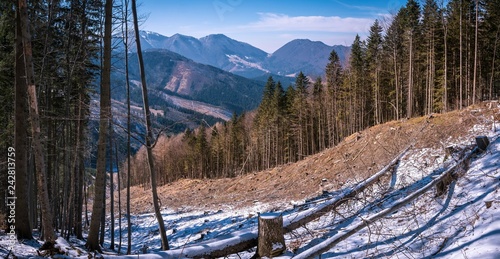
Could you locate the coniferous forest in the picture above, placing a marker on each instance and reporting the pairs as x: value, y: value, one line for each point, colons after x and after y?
x: 429, y: 57
x: 425, y: 59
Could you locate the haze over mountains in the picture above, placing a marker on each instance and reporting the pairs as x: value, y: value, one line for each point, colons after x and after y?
x: 243, y: 59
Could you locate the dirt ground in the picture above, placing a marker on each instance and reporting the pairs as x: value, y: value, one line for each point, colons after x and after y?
x: 354, y: 159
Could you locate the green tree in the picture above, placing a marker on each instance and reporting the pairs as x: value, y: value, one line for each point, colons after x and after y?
x: 491, y: 47
x: 333, y: 74
x: 374, y: 63
x: 432, y: 38
x: 411, y: 25
x: 393, y: 47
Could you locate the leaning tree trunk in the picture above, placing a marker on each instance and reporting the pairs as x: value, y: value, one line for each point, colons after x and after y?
x: 48, y: 231
x: 149, y: 134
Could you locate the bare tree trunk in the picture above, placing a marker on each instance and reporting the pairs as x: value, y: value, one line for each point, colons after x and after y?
x: 149, y: 134
x: 127, y: 82
x: 48, y: 231
x: 119, y: 200
x: 23, y: 225
x: 493, y: 65
x: 105, y: 113
x: 111, y: 188
x: 409, y: 105
x: 474, y: 80
x: 461, y: 65
x: 445, y: 83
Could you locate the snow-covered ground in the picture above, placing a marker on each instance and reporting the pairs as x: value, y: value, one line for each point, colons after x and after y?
x: 464, y: 222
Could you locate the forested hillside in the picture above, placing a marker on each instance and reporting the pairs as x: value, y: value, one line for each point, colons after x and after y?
x: 426, y: 60
x: 429, y: 57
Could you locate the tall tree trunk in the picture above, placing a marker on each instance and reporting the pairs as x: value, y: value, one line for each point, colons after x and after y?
x: 43, y: 195
x: 445, y: 72
x: 409, y: 105
x: 111, y: 188
x: 119, y: 200
x: 127, y: 82
x: 461, y: 60
x: 149, y: 134
x: 474, y: 80
x: 105, y: 114
x: 492, y: 76
x: 23, y: 225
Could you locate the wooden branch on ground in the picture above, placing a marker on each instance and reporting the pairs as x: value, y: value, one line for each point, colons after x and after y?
x: 332, y: 241
x: 291, y: 222
x: 244, y: 240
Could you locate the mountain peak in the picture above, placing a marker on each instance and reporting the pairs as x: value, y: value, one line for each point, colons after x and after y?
x: 244, y: 59
x: 216, y: 36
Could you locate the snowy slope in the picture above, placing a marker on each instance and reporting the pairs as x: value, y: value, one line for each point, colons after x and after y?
x: 462, y: 223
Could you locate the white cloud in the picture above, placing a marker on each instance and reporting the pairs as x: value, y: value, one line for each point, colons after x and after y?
x: 282, y: 22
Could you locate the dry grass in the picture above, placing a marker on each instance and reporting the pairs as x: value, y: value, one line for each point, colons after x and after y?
x: 356, y: 158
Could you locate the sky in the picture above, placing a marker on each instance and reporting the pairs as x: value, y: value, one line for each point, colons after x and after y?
x: 267, y: 24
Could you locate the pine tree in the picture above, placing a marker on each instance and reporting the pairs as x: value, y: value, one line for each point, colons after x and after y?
x: 411, y: 24
x: 492, y: 46
x: 374, y: 60
x: 393, y: 45
x: 300, y: 114
x: 361, y: 98
x: 333, y: 73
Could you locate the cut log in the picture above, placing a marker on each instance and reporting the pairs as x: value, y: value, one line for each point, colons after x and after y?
x: 271, y: 241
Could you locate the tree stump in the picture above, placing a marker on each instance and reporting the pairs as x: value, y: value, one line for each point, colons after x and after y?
x: 271, y: 241
x: 482, y: 142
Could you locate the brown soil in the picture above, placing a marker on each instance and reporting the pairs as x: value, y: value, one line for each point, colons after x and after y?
x: 356, y: 158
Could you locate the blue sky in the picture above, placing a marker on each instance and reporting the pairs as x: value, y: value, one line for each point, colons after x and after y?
x: 269, y: 24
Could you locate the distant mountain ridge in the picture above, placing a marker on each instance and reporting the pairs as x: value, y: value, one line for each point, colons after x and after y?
x: 170, y: 73
x: 310, y: 57
x: 246, y: 60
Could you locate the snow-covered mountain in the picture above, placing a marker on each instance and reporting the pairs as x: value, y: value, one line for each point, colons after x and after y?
x: 216, y: 50
x: 246, y: 60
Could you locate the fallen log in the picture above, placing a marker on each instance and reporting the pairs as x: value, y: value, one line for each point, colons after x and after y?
x: 291, y: 222
x: 329, y: 243
x: 247, y: 239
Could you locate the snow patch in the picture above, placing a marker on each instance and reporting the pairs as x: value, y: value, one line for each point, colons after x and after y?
x: 239, y: 62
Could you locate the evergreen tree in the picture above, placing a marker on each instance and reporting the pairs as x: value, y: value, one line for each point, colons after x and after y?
x: 433, y: 44
x: 411, y: 25
x: 360, y: 102
x: 374, y: 63
x: 333, y: 73
x: 491, y: 48
x: 393, y: 48
x: 300, y: 114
